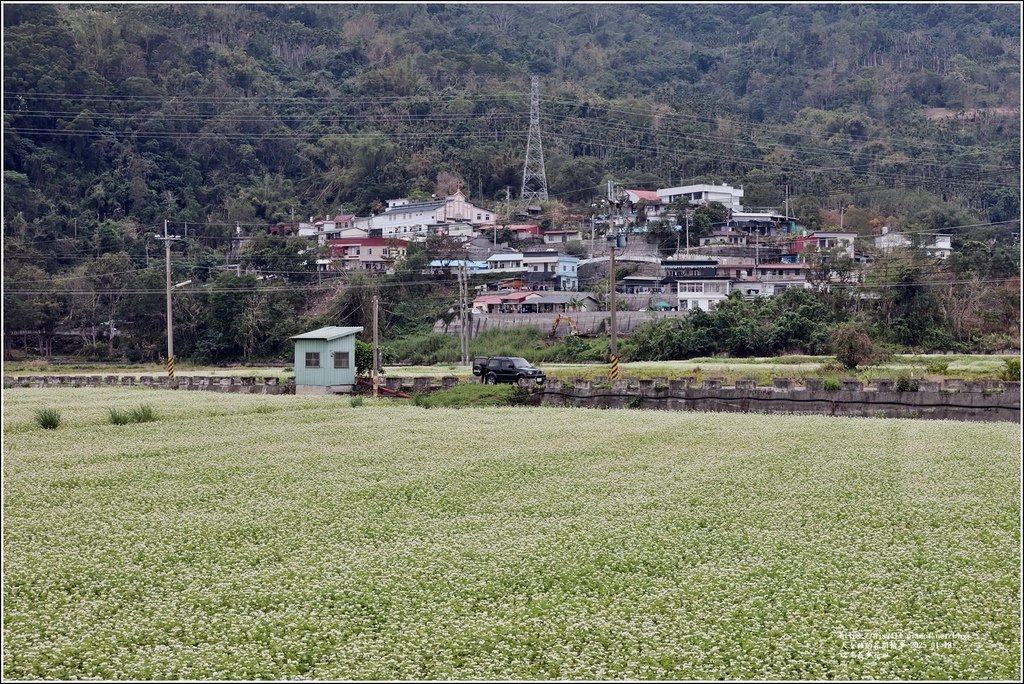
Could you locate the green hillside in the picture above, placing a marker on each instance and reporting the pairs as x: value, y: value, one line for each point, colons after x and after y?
x: 118, y: 117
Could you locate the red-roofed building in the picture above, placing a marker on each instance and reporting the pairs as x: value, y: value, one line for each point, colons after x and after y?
x: 650, y: 198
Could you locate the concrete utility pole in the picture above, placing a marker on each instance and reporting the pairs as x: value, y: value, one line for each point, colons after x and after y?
x: 611, y: 300
x: 376, y: 350
x: 167, y: 239
x: 688, y: 232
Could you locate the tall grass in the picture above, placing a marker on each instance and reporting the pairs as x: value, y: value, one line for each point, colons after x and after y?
x: 48, y: 418
x: 142, y: 414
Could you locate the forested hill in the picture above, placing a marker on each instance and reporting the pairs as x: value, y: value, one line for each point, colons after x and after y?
x: 119, y: 116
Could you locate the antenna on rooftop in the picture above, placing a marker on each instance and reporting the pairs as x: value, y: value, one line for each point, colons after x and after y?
x: 535, y: 181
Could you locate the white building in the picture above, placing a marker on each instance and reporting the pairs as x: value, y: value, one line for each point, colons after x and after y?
x: 506, y: 262
x: 831, y: 240
x: 701, y: 293
x: 551, y: 270
x: 416, y: 220
x: 935, y: 244
x: 731, y: 197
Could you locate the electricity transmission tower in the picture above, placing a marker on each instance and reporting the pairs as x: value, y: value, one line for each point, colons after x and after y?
x: 535, y: 181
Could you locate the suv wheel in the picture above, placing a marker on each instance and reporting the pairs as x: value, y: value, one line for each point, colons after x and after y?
x: 491, y: 379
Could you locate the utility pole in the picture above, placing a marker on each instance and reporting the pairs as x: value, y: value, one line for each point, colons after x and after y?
x: 167, y: 239
x: 688, y: 232
x: 376, y: 350
x: 613, y: 346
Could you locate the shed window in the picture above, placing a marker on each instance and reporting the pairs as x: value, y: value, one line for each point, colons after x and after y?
x: 312, y: 359
x: 341, y: 359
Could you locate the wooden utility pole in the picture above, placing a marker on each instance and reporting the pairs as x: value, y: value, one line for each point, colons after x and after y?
x: 376, y: 350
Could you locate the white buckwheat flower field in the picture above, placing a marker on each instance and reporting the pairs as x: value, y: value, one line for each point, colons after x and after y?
x: 279, y: 537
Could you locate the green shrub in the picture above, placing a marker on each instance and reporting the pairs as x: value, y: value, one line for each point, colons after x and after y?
x: 851, y: 345
x: 519, y: 396
x: 48, y: 418
x: 938, y: 366
x: 118, y: 417
x: 832, y: 385
x: 905, y: 383
x: 1011, y: 371
x: 356, y: 402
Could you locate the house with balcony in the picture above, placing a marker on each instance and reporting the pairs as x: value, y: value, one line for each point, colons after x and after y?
x: 825, y: 240
x: 551, y: 270
x: 695, y: 292
x: 371, y: 254
x: 512, y: 262
x: 704, y: 193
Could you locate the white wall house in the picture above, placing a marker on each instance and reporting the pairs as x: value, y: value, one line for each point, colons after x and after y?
x: 560, y: 269
x: 701, y: 293
x: 415, y: 220
x: 935, y: 244
x: 833, y: 240
x: 506, y: 262
x: 731, y: 197
x: 557, y: 237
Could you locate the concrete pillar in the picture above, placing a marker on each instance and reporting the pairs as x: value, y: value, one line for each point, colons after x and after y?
x: 583, y: 385
x: 928, y: 386
x: 128, y: 380
x: 421, y: 383
x: 852, y: 385
x: 449, y: 381
x: 782, y: 383
x: 713, y: 383
x: 394, y: 384
x: 814, y: 384
x: 952, y: 385
x: 746, y: 384
x: 883, y: 385
x: 676, y: 386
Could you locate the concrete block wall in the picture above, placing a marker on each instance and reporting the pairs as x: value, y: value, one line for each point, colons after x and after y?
x: 983, y: 401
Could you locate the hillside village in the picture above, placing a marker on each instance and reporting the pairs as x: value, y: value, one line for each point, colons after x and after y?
x: 759, y: 251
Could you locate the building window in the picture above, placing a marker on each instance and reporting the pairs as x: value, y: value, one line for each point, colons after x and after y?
x: 312, y: 359
x: 341, y: 359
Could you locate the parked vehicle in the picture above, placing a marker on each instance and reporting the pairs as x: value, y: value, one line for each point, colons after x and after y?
x: 493, y: 370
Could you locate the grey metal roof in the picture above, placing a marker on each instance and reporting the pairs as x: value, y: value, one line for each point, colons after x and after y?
x: 561, y: 298
x: 330, y: 332
x: 419, y: 206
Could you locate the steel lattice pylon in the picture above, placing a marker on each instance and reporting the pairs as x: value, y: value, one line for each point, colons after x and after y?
x: 535, y: 181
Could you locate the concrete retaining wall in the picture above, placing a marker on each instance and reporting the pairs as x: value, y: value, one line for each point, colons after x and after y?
x: 980, y: 400
x: 985, y: 400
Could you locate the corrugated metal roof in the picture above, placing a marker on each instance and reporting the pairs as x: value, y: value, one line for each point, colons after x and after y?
x: 419, y: 206
x: 330, y: 332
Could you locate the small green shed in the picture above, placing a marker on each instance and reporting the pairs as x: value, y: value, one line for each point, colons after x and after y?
x: 325, y: 360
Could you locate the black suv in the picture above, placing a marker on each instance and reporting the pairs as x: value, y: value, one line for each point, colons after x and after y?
x: 513, y: 369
